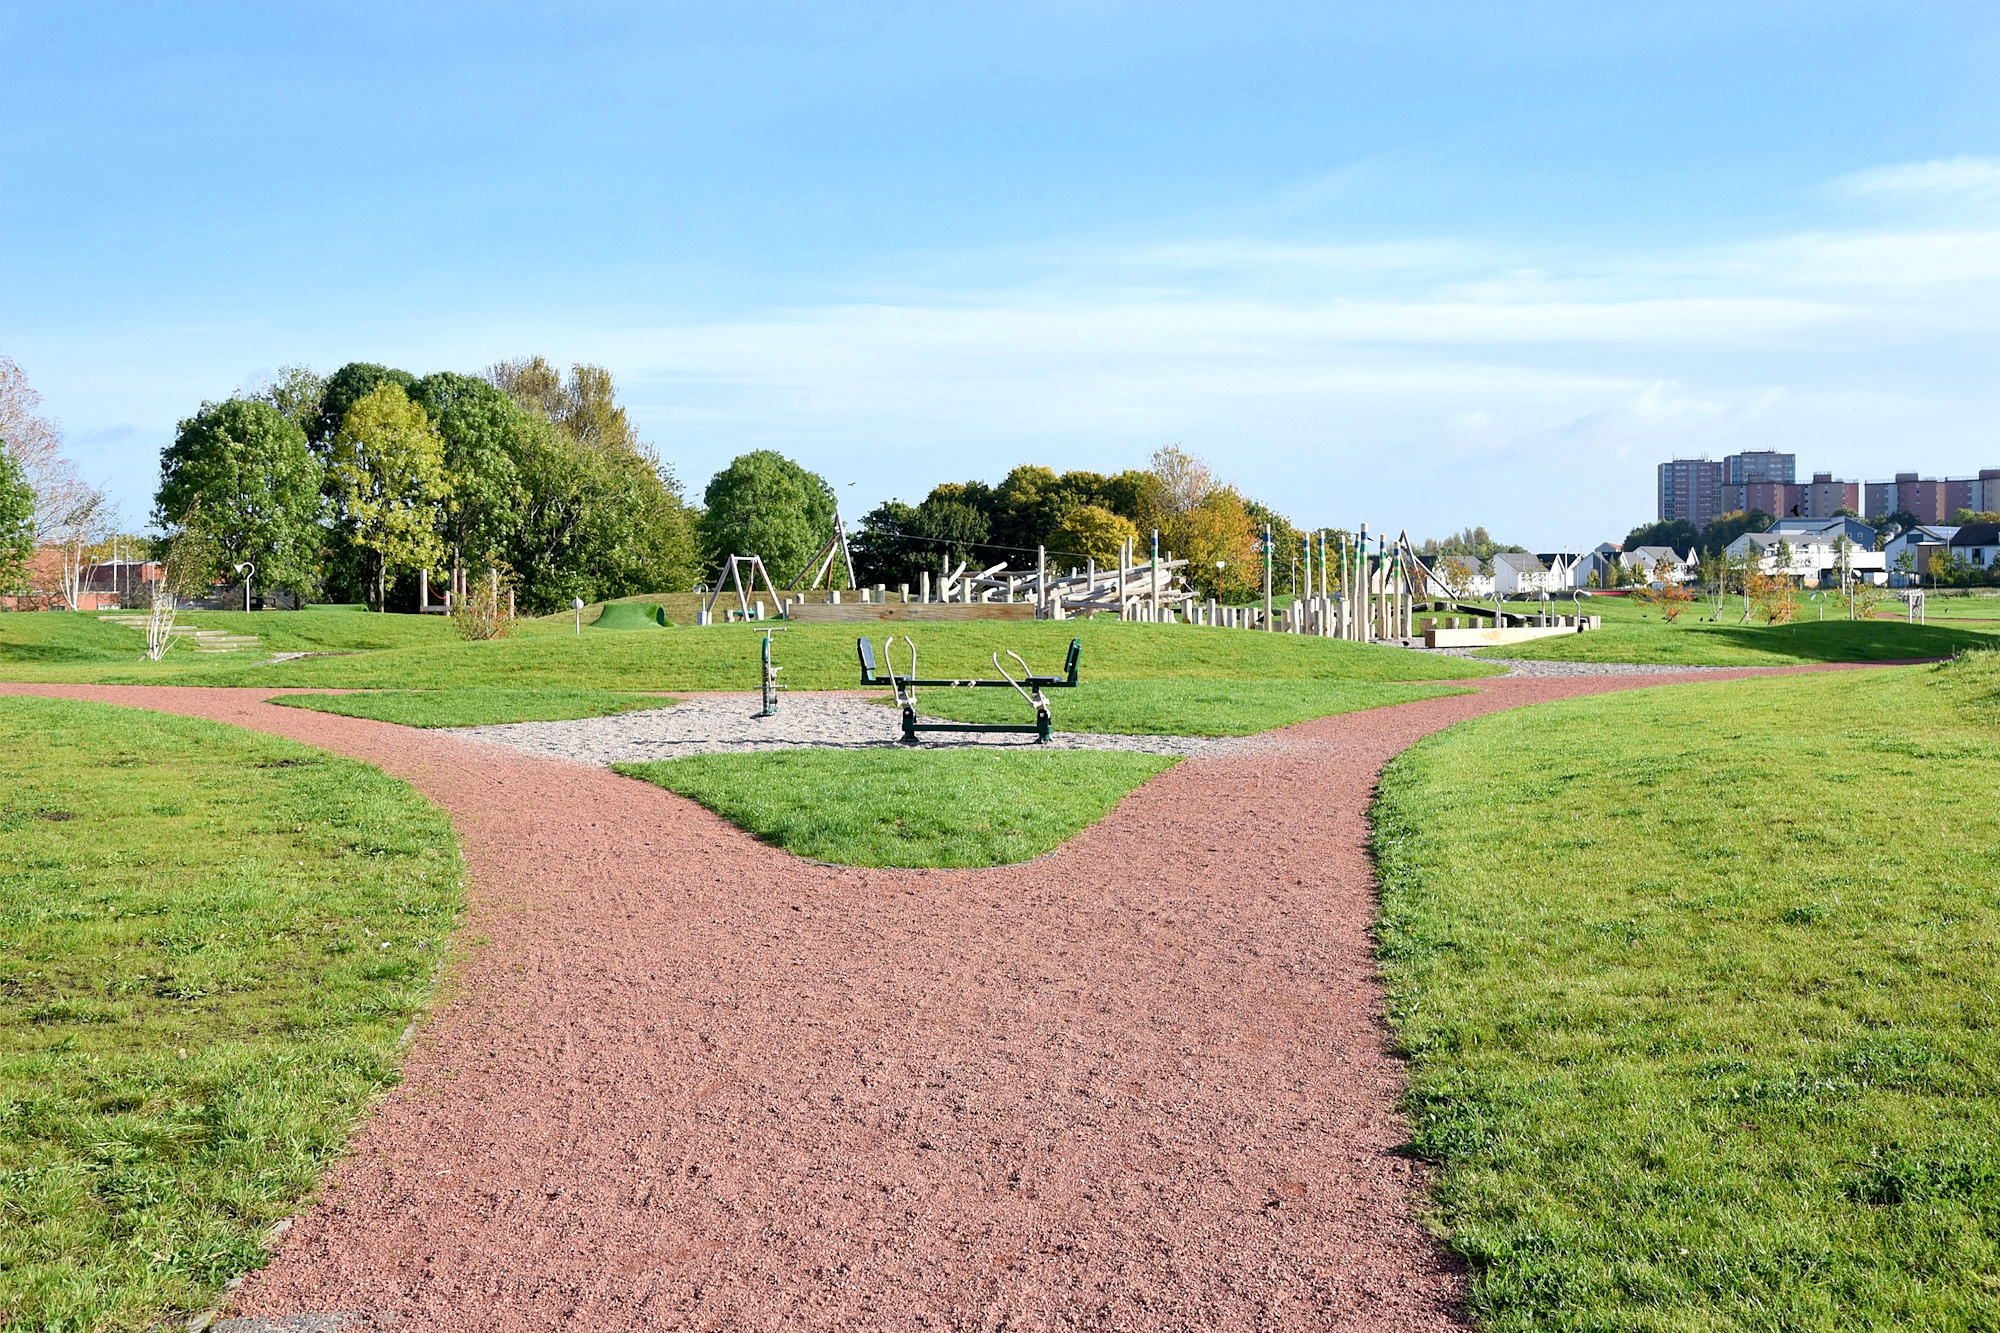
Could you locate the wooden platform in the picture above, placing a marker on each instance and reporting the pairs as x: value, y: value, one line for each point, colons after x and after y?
x: 857, y: 613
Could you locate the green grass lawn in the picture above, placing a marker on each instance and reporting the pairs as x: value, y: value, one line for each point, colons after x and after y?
x: 894, y: 807
x: 210, y: 944
x: 1694, y: 1044
x: 1976, y: 607
x: 1180, y: 708
x: 474, y: 708
x: 1633, y: 632
x: 547, y: 654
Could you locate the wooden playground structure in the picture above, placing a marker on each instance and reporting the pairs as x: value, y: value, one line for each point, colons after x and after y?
x: 1343, y: 587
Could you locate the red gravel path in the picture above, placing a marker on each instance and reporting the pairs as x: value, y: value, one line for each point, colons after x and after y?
x: 689, y: 1081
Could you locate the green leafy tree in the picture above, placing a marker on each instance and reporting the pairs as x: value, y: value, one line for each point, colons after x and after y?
x: 764, y: 504
x: 884, y: 548
x: 1675, y: 533
x: 386, y: 471
x: 1726, y: 528
x: 955, y: 531
x: 584, y: 405
x: 594, y: 523
x: 1090, y: 532
x: 343, y: 389
x: 257, y: 486
x: 482, y: 430
x: 17, y: 522
x: 642, y: 532
x: 298, y: 393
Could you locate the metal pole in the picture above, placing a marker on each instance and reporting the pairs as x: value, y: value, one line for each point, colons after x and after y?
x: 1267, y: 578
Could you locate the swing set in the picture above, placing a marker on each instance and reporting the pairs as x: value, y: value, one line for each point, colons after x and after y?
x: 1028, y: 685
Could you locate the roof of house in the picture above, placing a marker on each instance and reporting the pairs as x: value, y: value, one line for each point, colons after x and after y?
x: 1652, y: 555
x: 1521, y: 561
x: 1926, y: 532
x: 1977, y: 534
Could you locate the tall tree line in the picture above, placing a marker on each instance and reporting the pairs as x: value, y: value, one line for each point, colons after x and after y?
x: 344, y: 486
x: 1079, y: 517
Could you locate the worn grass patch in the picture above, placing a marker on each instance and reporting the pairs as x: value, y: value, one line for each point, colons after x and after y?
x: 1697, y: 1045
x: 210, y: 943
x: 1180, y: 708
x: 473, y: 708
x: 915, y: 808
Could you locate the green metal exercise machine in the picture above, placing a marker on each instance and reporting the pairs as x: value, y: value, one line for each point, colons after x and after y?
x: 1028, y: 685
x: 770, y: 679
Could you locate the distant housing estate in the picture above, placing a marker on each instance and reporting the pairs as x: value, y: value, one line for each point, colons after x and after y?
x: 1700, y: 489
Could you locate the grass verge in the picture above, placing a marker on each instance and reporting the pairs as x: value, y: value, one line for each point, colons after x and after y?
x: 1181, y: 708
x: 913, y: 808
x: 473, y: 708
x: 1694, y: 1045
x: 210, y: 943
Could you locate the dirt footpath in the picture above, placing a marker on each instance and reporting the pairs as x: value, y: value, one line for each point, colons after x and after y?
x: 685, y: 1080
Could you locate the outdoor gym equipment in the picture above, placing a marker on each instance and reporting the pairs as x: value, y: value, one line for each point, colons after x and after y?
x: 770, y: 680
x: 1028, y: 685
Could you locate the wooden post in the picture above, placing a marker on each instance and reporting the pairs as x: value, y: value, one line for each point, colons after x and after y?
x: 1156, y: 574
x: 423, y: 591
x: 924, y: 585
x: 1041, y: 582
x: 1267, y: 577
x: 1124, y: 573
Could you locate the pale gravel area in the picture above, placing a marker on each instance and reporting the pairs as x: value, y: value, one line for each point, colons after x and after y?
x: 726, y: 724
x: 1528, y: 667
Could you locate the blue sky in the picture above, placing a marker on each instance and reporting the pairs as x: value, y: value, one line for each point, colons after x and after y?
x: 1422, y: 265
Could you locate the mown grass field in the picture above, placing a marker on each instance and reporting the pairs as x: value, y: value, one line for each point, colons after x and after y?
x: 544, y: 654
x: 1634, y: 632
x: 1976, y: 607
x: 914, y: 808
x: 210, y: 944
x: 473, y: 708
x: 1180, y: 708
x: 1695, y: 1045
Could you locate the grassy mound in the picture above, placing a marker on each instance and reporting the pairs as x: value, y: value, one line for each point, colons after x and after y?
x: 893, y: 807
x: 630, y: 615
x: 1698, y: 1042
x: 210, y: 943
x: 473, y: 708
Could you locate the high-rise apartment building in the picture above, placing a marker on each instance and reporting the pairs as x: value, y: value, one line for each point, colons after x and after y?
x: 1699, y: 489
x: 1690, y: 489
x: 1825, y: 497
x: 1754, y: 465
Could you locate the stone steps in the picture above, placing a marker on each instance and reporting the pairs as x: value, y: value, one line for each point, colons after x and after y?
x: 201, y: 640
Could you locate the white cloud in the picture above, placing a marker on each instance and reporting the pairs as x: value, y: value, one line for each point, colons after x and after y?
x: 1939, y: 178
x: 1427, y: 382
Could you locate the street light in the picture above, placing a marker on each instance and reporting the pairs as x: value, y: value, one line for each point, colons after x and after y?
x: 246, y: 569
x: 576, y: 604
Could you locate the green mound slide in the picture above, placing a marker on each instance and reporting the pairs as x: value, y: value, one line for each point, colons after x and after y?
x: 631, y: 615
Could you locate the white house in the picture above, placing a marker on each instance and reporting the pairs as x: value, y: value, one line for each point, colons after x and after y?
x: 1642, y: 561
x: 1978, y: 545
x: 1815, y: 556
x: 1459, y: 576
x: 1919, y: 544
x: 1522, y: 574
x: 1859, y: 533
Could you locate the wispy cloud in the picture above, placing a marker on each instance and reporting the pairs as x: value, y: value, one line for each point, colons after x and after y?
x: 1940, y: 178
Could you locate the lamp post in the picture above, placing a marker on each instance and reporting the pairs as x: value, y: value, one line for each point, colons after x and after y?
x: 576, y: 604
x: 247, y: 570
